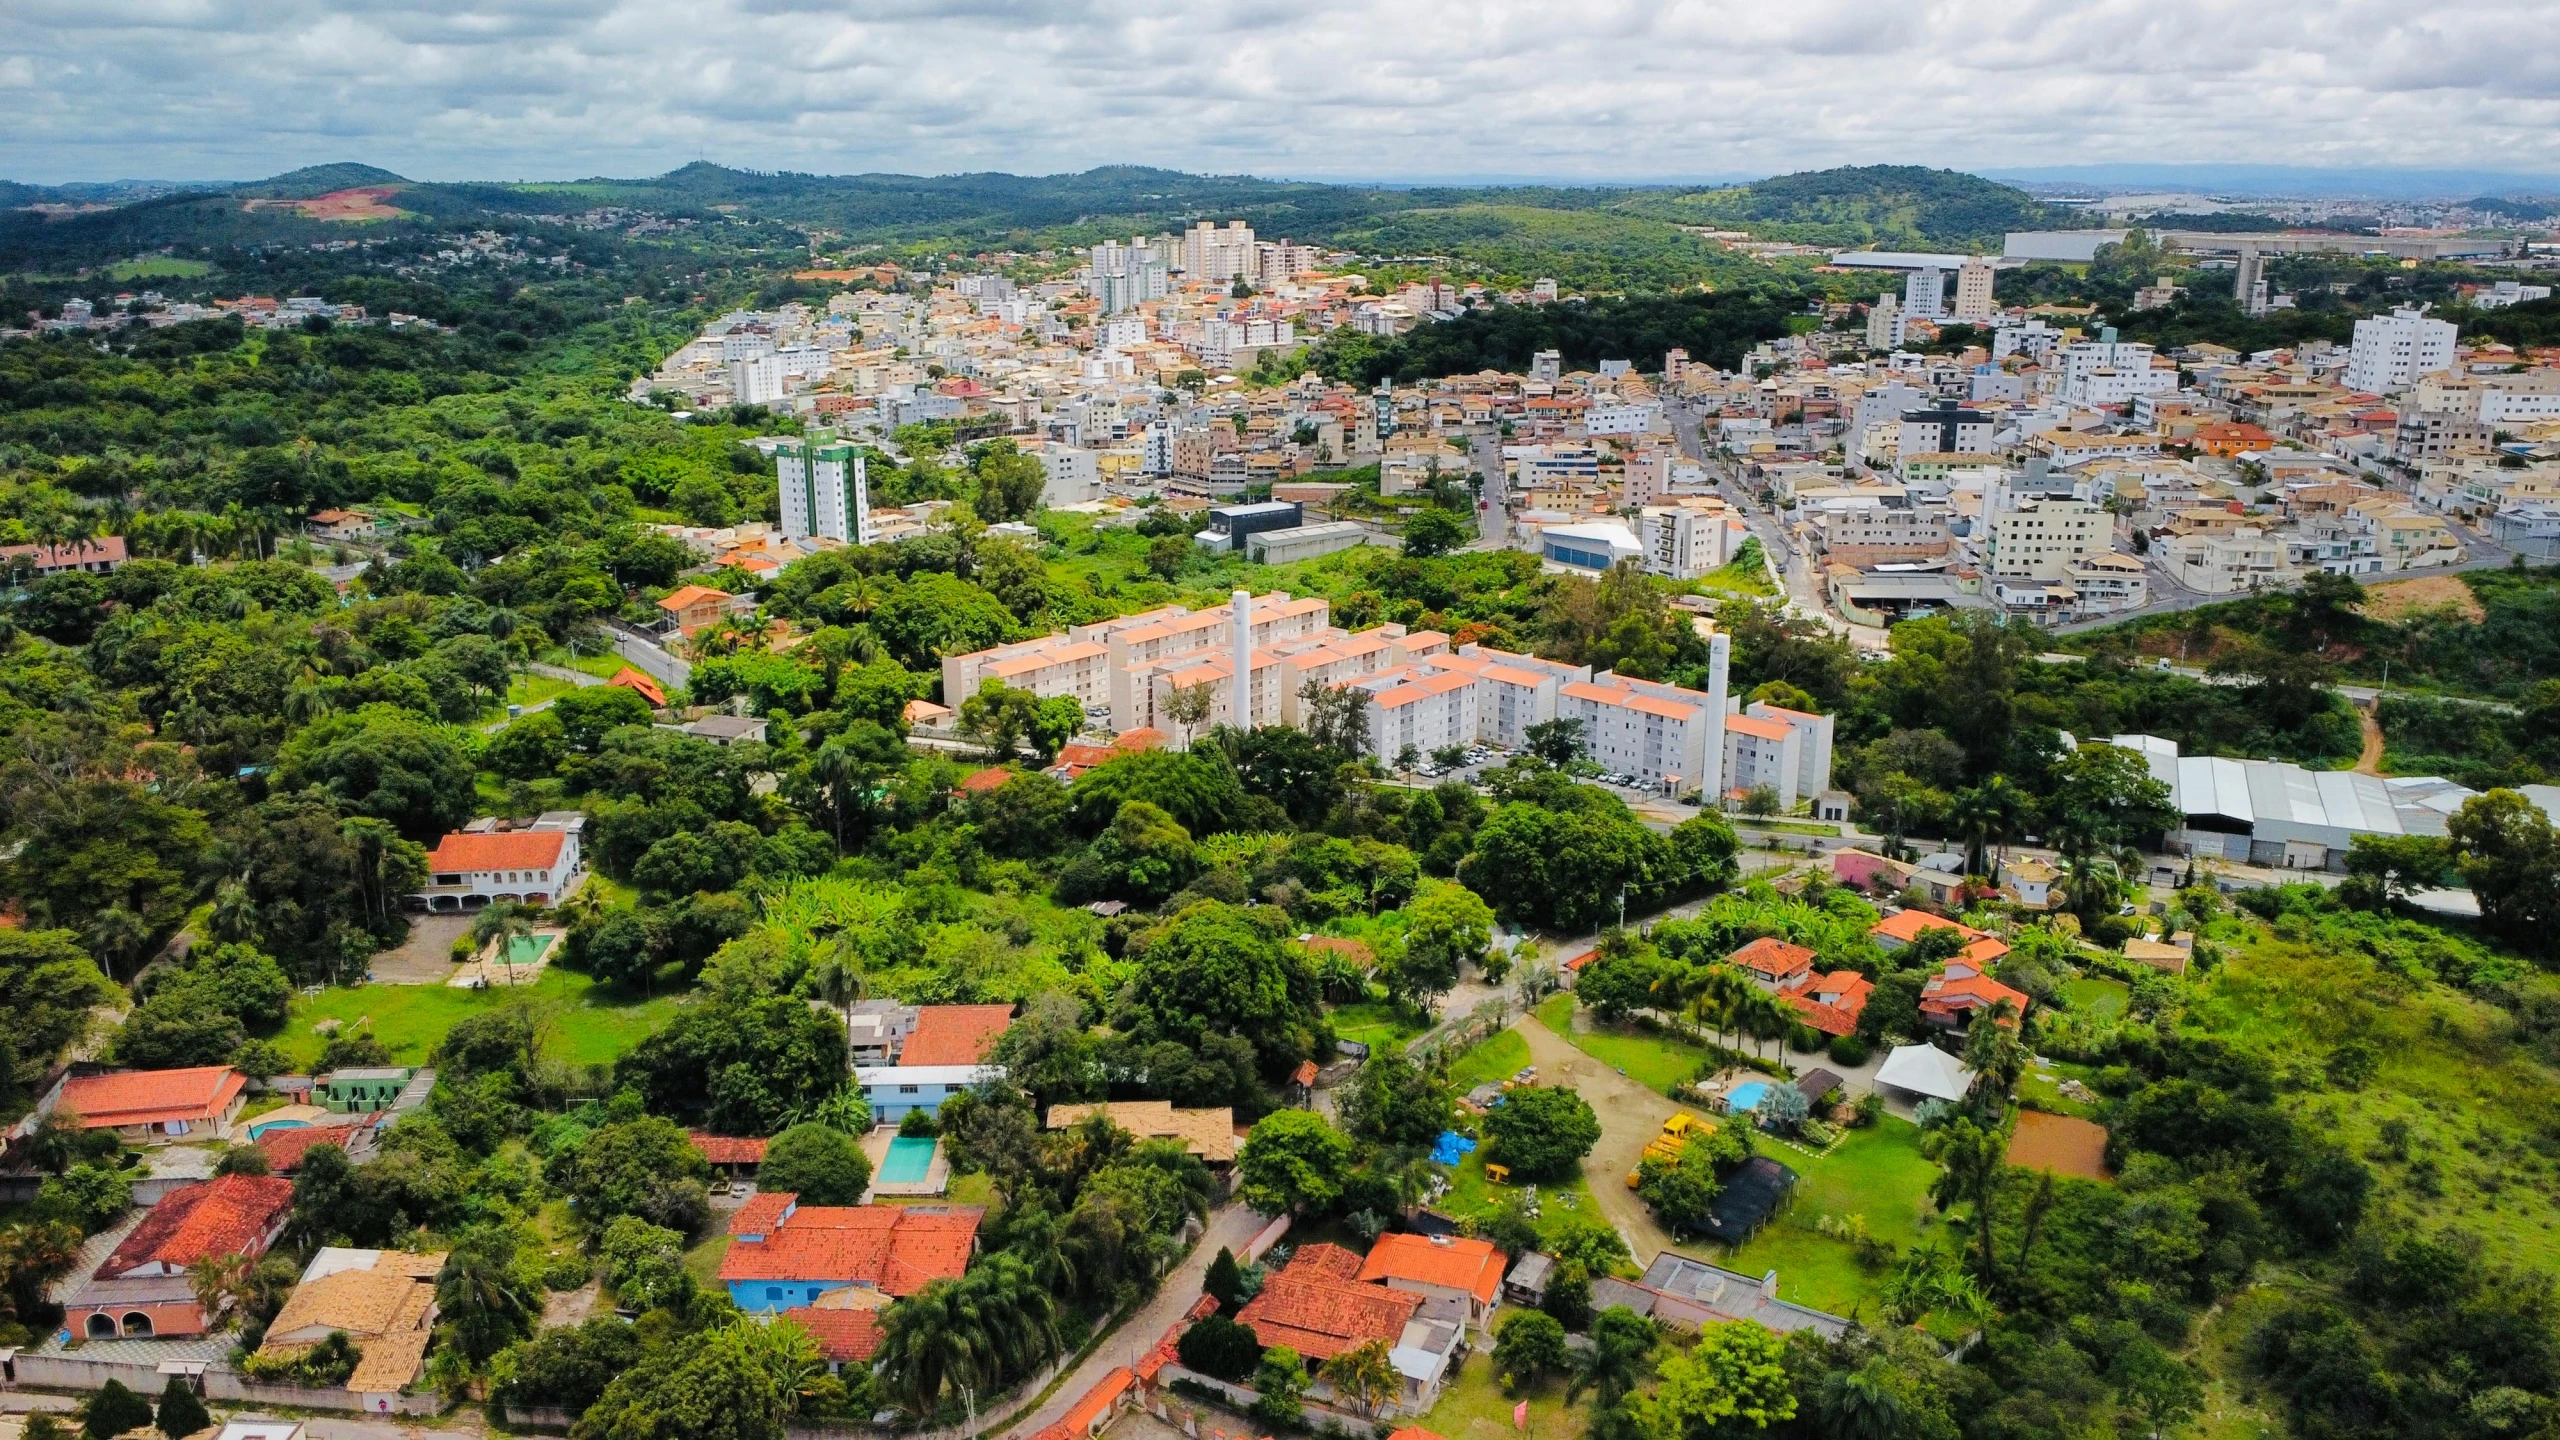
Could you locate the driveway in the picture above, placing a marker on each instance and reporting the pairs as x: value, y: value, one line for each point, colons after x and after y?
x: 1630, y: 1116
x: 1231, y: 1226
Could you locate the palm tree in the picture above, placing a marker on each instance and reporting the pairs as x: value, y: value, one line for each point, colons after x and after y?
x: 1614, y: 1365
x: 117, y: 933
x: 1862, y: 1404
x: 501, y: 924
x: 837, y: 979
x: 1362, y: 1375
x: 1975, y: 1161
x: 235, y: 912
x: 481, y: 1296
x: 836, y: 770
x: 215, y: 1281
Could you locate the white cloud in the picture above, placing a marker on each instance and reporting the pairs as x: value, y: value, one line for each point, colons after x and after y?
x: 1608, y: 89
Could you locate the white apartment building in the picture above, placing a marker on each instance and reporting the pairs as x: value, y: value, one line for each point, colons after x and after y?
x: 1654, y: 475
x: 2392, y: 352
x: 1885, y: 520
x: 1638, y: 419
x: 823, y: 492
x: 1419, y: 710
x: 1762, y: 752
x: 1812, y: 774
x: 1211, y: 253
x: 1683, y: 542
x: 1974, y: 302
x: 2110, y: 372
x: 2110, y: 582
x: 757, y: 379
x: 1924, y: 293
x: 1513, y: 692
x: 1884, y: 324
x: 1661, y: 734
x: 1947, y: 428
x: 2042, y: 538
x: 2232, y: 563
x: 2523, y: 398
x: 1075, y: 474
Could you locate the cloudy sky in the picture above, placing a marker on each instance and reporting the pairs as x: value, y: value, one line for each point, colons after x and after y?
x: 1598, y: 89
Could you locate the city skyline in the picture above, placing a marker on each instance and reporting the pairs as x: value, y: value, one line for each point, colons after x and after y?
x: 198, y: 90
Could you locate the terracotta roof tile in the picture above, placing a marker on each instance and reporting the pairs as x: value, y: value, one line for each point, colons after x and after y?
x: 1906, y: 926
x: 513, y: 850
x: 1450, y: 1262
x: 899, y: 1248
x: 842, y: 1335
x: 226, y: 1216
x: 1773, y: 957
x: 144, y: 1097
x: 1314, y: 1307
x: 728, y: 1149
x: 955, y: 1034
x: 286, y: 1149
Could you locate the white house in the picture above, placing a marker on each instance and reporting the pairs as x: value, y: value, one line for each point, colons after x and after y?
x: 894, y: 1090
x: 471, y: 869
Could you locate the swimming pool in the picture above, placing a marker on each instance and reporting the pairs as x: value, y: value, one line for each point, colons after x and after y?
x: 525, y: 949
x: 909, y: 1157
x: 1746, y: 1096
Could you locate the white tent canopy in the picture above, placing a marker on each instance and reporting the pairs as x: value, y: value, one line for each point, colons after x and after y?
x: 1925, y: 1070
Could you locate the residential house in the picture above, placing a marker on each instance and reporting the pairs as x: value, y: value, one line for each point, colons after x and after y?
x: 784, y: 1255
x: 1829, y: 1003
x: 383, y: 1300
x: 1447, y: 1267
x: 894, y: 1091
x: 696, y: 608
x: 469, y: 870
x: 1687, y: 1294
x: 153, y: 1107
x: 954, y: 1034
x: 639, y: 684
x: 143, y: 1289
x: 847, y: 1334
x: 89, y: 557
x: 362, y: 1091
x: 1209, y: 1133
x: 736, y: 1156
x: 1951, y: 997
x: 1773, y: 959
x: 1317, y: 1306
x: 288, y: 1146
x: 2029, y: 881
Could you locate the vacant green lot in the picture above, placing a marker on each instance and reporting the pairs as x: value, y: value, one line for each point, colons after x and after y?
x: 1498, y: 1058
x: 2093, y: 995
x: 156, y: 267
x: 1474, y: 1406
x: 585, y: 1024
x: 1877, y: 1172
x: 1657, y: 1062
x: 1373, y: 1022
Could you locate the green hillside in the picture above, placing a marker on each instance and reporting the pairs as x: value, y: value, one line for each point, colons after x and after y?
x: 1868, y: 204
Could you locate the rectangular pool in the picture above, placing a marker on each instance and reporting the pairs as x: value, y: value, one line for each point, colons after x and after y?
x: 909, y: 1157
x: 1746, y: 1096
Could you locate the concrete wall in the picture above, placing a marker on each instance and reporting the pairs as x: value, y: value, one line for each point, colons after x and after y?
x: 73, y: 1372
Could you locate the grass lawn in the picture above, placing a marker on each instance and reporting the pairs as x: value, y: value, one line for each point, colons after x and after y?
x: 702, y: 1262
x: 1500, y: 1057
x: 150, y: 267
x: 1655, y: 1061
x: 1472, y: 1196
x: 589, y: 1025
x: 1474, y: 1406
x: 2047, y: 1095
x: 1791, y: 827
x: 1373, y: 1022
x: 2095, y: 995
x: 1877, y: 1172
x: 531, y: 689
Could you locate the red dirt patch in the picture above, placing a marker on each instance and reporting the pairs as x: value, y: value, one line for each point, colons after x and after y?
x: 368, y: 202
x: 2060, y: 1143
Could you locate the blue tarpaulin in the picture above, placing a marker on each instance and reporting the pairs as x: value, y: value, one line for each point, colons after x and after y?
x: 1451, y: 1148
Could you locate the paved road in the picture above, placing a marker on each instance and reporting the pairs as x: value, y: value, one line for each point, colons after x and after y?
x: 1230, y: 1227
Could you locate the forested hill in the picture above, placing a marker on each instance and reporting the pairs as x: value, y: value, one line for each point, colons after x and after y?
x: 1870, y: 204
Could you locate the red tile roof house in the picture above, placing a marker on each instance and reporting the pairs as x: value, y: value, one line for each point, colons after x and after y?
x: 471, y: 871
x: 1951, y: 997
x: 1829, y: 1003
x: 729, y: 1154
x: 1902, y: 928
x: 954, y: 1034
x: 143, y: 1289
x: 152, y: 1107
x: 784, y: 1255
x: 845, y: 1336
x: 1773, y: 959
x: 1445, y: 1267
x: 1317, y: 1306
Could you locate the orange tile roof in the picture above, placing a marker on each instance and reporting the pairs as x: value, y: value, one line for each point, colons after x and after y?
x: 629, y: 679
x: 1091, y: 1406
x: 979, y: 782
x: 690, y: 596
x: 1315, y: 1307
x: 1757, y: 728
x: 1773, y: 957
x: 1947, y: 995
x: 728, y: 1149
x: 286, y: 1149
x: 899, y: 1248
x: 1831, y: 1003
x: 228, y: 1216
x: 1906, y: 926
x: 762, y: 1212
x: 842, y: 1335
x: 151, y: 1097
x: 955, y: 1034
x: 516, y: 850
x: 1450, y: 1262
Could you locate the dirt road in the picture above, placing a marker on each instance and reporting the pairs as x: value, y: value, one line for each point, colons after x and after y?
x: 2370, y: 762
x: 1630, y: 1116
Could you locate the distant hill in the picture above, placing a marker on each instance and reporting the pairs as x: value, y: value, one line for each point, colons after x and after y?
x: 313, y: 180
x: 1870, y: 204
x: 2516, y: 209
